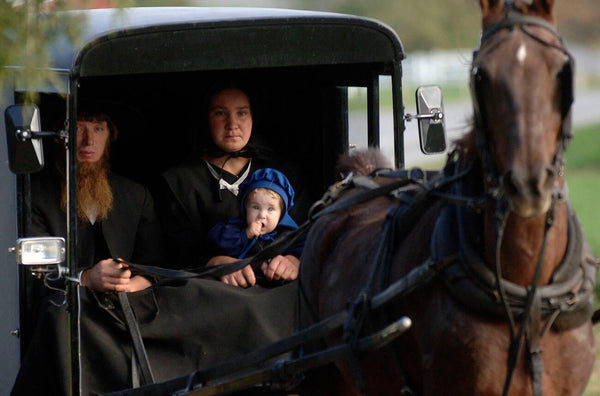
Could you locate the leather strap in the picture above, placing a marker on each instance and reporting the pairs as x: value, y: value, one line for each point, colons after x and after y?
x: 274, y: 248
x: 138, y: 344
x: 536, y: 365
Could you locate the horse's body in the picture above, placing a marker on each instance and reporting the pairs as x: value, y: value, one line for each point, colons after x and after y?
x: 453, y: 348
x: 449, y: 350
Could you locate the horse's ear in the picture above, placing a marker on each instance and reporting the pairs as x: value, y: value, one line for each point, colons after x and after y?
x: 491, y: 11
x: 544, y: 9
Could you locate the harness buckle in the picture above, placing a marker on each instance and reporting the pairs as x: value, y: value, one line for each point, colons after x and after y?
x: 573, y: 300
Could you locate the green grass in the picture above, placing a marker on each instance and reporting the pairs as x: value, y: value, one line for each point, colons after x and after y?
x: 584, y: 151
x: 582, y: 175
x: 584, y: 193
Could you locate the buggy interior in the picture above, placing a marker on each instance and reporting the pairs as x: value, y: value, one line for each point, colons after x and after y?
x: 300, y: 114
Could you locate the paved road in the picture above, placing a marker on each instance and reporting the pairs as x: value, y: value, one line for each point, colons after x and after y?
x: 586, y: 111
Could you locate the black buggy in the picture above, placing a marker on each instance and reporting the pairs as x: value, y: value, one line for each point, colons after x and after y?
x: 308, y: 68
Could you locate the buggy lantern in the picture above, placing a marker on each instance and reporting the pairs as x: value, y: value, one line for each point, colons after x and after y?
x: 42, y: 253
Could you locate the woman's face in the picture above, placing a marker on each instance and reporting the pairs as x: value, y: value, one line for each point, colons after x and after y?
x: 230, y: 120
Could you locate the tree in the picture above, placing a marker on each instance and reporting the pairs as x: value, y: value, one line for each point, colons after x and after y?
x: 27, y: 32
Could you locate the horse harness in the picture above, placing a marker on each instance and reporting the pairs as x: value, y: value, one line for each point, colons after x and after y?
x: 563, y: 304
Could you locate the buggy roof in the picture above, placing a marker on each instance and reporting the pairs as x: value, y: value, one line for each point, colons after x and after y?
x: 175, y: 39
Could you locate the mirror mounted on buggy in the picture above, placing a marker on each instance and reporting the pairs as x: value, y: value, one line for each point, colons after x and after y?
x: 25, y: 153
x: 23, y: 138
x: 430, y: 116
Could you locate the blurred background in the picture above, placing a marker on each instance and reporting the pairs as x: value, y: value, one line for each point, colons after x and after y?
x: 438, y: 52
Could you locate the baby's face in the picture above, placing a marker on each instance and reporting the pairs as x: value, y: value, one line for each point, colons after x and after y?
x: 264, y: 207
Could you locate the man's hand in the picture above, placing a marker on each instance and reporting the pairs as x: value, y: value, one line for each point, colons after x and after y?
x: 109, y: 275
x: 242, y: 278
x: 281, y: 268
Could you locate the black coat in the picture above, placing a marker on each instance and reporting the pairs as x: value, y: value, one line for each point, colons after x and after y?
x: 190, y: 205
x: 131, y: 230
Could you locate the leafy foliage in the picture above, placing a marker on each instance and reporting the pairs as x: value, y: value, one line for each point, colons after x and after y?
x: 26, y: 34
x: 28, y: 30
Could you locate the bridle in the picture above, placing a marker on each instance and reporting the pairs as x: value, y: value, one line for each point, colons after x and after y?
x: 515, y: 20
x: 528, y: 331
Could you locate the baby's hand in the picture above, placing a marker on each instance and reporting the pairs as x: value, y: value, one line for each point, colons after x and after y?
x: 253, y: 229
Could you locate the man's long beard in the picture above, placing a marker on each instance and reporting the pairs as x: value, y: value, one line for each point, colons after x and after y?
x: 94, y: 193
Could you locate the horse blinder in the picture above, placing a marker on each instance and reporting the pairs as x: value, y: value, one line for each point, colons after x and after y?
x: 565, y: 80
x: 479, y: 78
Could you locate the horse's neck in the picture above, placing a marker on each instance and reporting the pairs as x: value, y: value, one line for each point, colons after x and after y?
x: 522, y: 245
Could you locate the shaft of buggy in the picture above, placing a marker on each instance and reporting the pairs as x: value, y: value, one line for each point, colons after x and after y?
x: 284, y: 372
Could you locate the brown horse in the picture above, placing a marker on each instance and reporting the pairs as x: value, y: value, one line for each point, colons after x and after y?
x: 508, y: 309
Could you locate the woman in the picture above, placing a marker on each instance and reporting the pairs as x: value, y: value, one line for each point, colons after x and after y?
x: 202, y: 193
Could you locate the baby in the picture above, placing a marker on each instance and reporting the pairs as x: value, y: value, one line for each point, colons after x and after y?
x: 265, y: 199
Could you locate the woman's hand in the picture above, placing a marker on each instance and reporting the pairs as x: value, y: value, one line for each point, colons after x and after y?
x: 281, y: 268
x: 242, y: 278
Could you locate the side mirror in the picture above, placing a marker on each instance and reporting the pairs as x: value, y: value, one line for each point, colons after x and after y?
x: 430, y: 116
x: 25, y: 151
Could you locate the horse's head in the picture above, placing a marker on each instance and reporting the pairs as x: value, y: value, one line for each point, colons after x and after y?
x: 522, y: 93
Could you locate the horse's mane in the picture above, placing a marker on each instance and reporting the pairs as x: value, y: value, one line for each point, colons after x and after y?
x: 363, y: 161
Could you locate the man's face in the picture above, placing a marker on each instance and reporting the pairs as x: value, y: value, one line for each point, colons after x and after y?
x: 230, y: 120
x: 92, y: 137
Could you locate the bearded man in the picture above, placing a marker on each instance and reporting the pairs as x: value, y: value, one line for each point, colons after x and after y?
x: 116, y: 217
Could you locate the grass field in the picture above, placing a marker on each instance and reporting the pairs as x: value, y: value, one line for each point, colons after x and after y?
x: 582, y: 175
